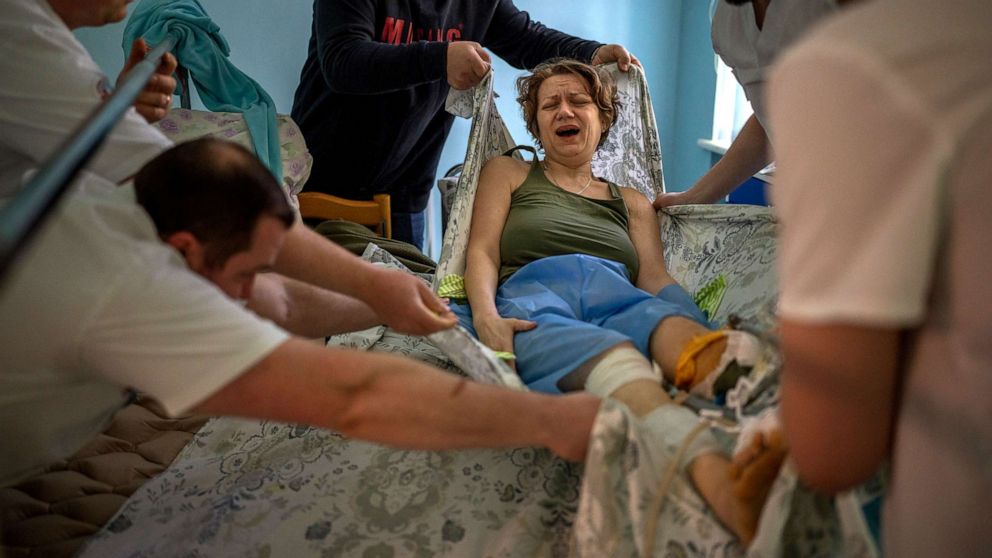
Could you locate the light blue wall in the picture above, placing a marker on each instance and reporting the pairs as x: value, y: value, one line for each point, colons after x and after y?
x: 268, y: 42
x: 671, y: 38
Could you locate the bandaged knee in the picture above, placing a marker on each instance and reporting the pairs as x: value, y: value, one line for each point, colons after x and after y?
x: 618, y: 367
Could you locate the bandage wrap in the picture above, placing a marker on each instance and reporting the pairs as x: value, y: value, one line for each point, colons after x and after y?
x: 620, y: 366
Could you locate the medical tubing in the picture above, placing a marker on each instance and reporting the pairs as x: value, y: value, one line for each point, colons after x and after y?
x: 658, y: 502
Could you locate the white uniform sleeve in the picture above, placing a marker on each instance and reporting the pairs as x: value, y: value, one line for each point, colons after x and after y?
x: 50, y: 84
x: 856, y: 190
x: 173, y: 335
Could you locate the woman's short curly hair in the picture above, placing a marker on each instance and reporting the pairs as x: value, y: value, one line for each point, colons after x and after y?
x: 601, y: 87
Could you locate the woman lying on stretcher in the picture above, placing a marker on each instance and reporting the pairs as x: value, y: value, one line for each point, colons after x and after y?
x: 566, y: 271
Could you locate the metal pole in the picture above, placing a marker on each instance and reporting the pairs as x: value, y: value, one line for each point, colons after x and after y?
x: 22, y: 217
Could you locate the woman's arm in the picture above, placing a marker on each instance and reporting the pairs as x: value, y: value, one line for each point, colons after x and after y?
x: 497, y: 181
x: 349, y: 43
x: 645, y: 233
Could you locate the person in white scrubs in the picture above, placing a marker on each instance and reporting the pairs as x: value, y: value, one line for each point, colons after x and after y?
x: 748, y: 35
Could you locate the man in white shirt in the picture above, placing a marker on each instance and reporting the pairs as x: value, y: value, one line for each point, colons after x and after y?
x: 883, y: 119
x: 99, y: 303
x: 749, y: 35
x: 205, y: 198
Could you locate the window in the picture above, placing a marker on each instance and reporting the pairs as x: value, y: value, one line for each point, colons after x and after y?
x: 731, y: 108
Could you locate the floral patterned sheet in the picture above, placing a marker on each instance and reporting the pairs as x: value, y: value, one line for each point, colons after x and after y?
x: 184, y: 124
x: 260, y: 488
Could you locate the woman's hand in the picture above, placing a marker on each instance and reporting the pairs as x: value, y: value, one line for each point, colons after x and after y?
x: 497, y: 332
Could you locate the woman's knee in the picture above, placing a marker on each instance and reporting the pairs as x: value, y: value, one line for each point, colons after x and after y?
x: 604, y: 373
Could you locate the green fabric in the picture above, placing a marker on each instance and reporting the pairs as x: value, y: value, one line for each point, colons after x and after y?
x: 354, y: 238
x: 710, y: 295
x: 545, y: 220
x: 202, y: 50
x: 452, y: 286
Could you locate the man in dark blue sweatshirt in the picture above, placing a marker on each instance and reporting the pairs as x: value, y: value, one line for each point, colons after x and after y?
x: 371, y: 95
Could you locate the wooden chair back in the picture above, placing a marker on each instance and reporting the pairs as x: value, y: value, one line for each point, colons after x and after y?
x: 374, y: 214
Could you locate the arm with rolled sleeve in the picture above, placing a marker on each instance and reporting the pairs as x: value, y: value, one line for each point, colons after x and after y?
x: 858, y: 205
x: 525, y: 43
x: 353, y: 61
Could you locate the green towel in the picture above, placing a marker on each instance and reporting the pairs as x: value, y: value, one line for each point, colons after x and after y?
x: 453, y: 287
x: 202, y: 50
x: 354, y: 238
x: 709, y: 297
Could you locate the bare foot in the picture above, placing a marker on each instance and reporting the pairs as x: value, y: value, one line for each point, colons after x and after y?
x: 752, y: 472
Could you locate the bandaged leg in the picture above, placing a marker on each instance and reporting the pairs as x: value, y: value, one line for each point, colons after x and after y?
x: 673, y: 446
x: 620, y: 365
x: 735, y: 491
x: 624, y: 374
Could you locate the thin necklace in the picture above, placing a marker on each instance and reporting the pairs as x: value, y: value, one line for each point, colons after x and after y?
x: 547, y: 173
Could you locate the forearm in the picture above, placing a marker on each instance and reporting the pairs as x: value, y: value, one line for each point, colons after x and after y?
x: 396, y: 401
x: 315, y: 312
x: 653, y: 282
x: 481, y: 277
x: 308, y: 257
x: 645, y: 234
x: 525, y: 43
x: 838, y: 400
x: 399, y: 66
x: 749, y: 153
x: 399, y: 299
x: 439, y: 410
x: 653, y: 275
x: 309, y: 311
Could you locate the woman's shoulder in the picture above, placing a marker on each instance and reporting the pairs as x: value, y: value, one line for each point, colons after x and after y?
x: 505, y: 169
x: 635, y: 199
x: 506, y: 162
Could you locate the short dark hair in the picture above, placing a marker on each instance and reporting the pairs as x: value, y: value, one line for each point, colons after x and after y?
x: 601, y: 87
x: 215, y: 189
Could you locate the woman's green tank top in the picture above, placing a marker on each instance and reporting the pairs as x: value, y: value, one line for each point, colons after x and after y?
x: 545, y: 220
